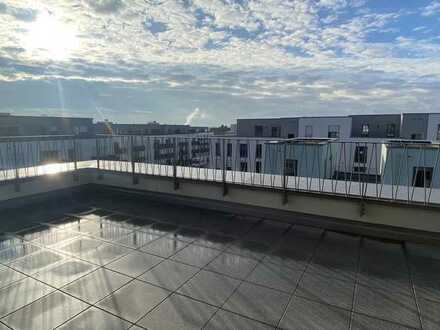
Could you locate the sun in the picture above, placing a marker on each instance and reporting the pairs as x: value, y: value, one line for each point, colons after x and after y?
x: 48, y: 36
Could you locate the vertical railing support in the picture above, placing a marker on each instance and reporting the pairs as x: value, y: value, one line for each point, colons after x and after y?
x: 98, y: 160
x: 224, y: 159
x: 176, y: 182
x: 133, y: 164
x: 75, y: 160
x: 285, y: 197
x: 17, y: 172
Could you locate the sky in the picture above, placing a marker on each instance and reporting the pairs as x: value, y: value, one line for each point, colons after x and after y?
x: 209, y: 62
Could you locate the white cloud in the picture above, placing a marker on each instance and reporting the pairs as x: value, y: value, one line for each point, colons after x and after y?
x: 432, y: 9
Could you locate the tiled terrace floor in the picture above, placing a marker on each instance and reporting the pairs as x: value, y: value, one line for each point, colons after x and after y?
x: 106, y: 270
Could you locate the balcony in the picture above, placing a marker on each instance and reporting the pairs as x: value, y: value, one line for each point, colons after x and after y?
x: 101, y: 241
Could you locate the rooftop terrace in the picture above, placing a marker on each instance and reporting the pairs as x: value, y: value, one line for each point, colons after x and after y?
x: 118, y: 262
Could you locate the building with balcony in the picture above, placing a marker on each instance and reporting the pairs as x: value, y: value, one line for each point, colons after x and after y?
x: 377, y: 126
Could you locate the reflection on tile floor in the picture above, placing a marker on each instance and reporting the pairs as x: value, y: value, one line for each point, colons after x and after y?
x: 109, y: 270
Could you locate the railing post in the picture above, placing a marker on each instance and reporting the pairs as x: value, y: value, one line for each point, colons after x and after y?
x: 176, y: 182
x: 285, y: 198
x: 75, y: 160
x: 133, y: 165
x: 224, y: 159
x: 98, y: 161
x: 17, y: 172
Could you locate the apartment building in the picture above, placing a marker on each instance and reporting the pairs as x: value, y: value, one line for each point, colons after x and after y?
x: 338, y: 127
x: 421, y: 126
x: 409, y: 126
x: 153, y: 128
x: 285, y: 128
x: 380, y: 126
x: 13, y: 125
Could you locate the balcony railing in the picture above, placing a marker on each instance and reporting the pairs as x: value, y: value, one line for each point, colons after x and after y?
x: 390, y: 171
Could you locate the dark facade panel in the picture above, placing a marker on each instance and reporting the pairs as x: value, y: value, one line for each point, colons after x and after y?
x: 376, y: 126
x: 271, y: 127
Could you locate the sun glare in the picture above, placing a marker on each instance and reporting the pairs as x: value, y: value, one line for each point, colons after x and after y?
x: 51, y: 37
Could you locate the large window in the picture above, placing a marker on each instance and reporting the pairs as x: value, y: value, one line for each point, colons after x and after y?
x: 258, y: 131
x: 276, y: 132
x: 422, y: 176
x: 243, y: 150
x: 309, y: 131
x: 259, y: 151
x: 290, y: 167
x: 360, y: 154
x: 229, y: 150
x: 391, y: 130
x: 218, y: 152
x: 333, y: 131
x: 243, y: 166
x: 257, y: 167
x: 365, y: 130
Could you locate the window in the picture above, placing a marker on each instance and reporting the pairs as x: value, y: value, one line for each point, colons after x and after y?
x: 258, y: 167
x: 333, y: 131
x: 360, y: 154
x: 290, y: 136
x: 416, y: 136
x: 243, y: 150
x: 438, y: 132
x: 309, y: 130
x: 229, y: 150
x: 391, y: 130
x: 276, y: 132
x: 258, y: 131
x: 365, y: 130
x: 218, y: 152
x: 259, y: 151
x: 243, y: 166
x: 422, y: 177
x: 290, y: 167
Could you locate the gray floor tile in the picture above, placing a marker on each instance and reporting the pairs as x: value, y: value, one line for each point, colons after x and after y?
x: 112, y: 233
x: 363, y: 322
x: 387, y: 305
x: 17, y: 251
x: 224, y: 320
x: 430, y: 314
x: 36, y: 262
x: 169, y: 274
x: 188, y: 234
x: 267, y: 232
x: 164, y: 247
x: 196, y: 255
x: 21, y: 293
x: 399, y: 282
x: 105, y: 254
x: 55, y: 236
x: 258, y: 303
x: 249, y: 249
x: 308, y: 315
x: 232, y: 265
x: 135, y: 263
x: 275, y: 276
x: 137, y: 239
x: 4, y: 327
x: 96, y: 285
x: 80, y: 246
x: 327, y: 290
x: 214, y: 241
x: 134, y: 300
x: 65, y: 272
x: 46, y: 313
x: 97, y: 319
x: 8, y: 276
x: 178, y: 312
x: 293, y: 258
x: 382, y: 258
x: 209, y: 287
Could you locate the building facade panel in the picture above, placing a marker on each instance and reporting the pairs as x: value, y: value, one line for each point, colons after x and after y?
x: 325, y: 127
x: 375, y: 126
